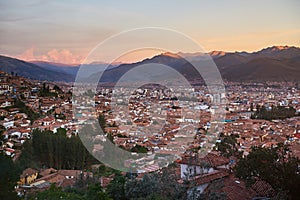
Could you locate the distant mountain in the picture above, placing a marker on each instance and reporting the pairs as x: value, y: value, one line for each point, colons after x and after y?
x: 30, y: 70
x: 217, y: 54
x: 73, y: 69
x: 58, y: 67
x: 264, y: 69
x: 279, y: 52
x: 175, y: 61
x: 277, y: 63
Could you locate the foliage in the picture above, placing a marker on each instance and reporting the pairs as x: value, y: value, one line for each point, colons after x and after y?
x: 278, y: 112
x: 25, y: 109
x: 272, y: 165
x: 27, y: 159
x: 212, y: 192
x: 116, y: 188
x: 162, y: 184
x: 92, y: 192
x: 228, y: 145
x: 9, y: 177
x: 95, y: 192
x: 45, y: 91
x: 106, y: 171
x: 56, y: 150
x: 139, y: 149
x: 60, y: 116
x: 55, y: 193
x: 57, y: 88
x: 103, y: 125
x: 102, y: 122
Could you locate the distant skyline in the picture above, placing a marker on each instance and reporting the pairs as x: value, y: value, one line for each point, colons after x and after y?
x: 66, y: 31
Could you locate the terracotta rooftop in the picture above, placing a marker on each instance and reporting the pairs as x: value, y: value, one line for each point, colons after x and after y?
x: 213, y: 159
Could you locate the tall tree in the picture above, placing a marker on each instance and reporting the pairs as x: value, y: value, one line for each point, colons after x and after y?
x: 116, y: 188
x: 9, y: 176
x: 274, y: 166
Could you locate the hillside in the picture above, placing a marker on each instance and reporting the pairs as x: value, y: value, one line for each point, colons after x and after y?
x: 277, y: 63
x: 30, y: 70
x: 270, y: 64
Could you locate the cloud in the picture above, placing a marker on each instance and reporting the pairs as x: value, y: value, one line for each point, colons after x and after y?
x: 54, y: 55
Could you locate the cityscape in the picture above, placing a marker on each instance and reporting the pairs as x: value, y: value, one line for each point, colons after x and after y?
x: 154, y: 123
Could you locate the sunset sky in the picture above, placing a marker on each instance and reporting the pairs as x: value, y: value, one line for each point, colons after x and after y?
x: 66, y: 31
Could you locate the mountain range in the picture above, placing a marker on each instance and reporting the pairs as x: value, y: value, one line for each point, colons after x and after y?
x: 31, y: 70
x: 277, y: 63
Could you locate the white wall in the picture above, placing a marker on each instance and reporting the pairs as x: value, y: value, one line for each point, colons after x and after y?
x: 192, y: 170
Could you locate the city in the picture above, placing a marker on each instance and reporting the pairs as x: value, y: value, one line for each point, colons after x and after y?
x: 149, y: 100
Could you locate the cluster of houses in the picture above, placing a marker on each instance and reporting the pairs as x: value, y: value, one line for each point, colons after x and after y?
x: 153, y: 118
x: 54, y: 112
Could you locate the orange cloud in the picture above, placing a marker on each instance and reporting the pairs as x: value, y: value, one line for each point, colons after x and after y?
x: 54, y: 55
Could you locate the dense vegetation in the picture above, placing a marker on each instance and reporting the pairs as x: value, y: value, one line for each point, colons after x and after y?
x: 276, y: 112
x: 274, y: 166
x: 25, y: 109
x: 45, y: 91
x: 228, y: 145
x: 89, y: 191
x: 9, y: 173
x: 55, y: 150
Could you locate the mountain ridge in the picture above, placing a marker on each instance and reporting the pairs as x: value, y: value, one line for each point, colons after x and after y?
x: 30, y: 70
x: 282, y: 63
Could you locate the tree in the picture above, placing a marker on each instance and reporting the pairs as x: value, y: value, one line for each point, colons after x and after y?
x: 139, y: 149
x: 25, y: 109
x: 55, y: 150
x: 276, y: 112
x: 212, y: 192
x: 272, y: 165
x: 228, y: 145
x: 26, y: 159
x: 56, y: 88
x: 92, y: 192
x: 9, y: 174
x: 102, y: 122
x: 156, y: 185
x: 95, y: 192
x: 55, y: 193
x: 45, y: 91
x: 116, y: 188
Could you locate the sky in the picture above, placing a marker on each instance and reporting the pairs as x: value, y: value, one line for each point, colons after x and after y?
x: 67, y: 31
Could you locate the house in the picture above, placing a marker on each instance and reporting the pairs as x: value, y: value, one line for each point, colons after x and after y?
x: 61, y: 178
x: 9, y: 151
x: 28, y: 176
x: 5, y: 104
x: 192, y: 165
x: 3, y: 112
x: 203, y: 170
x: 8, y: 124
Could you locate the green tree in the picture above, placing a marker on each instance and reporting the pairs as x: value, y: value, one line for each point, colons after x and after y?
x: 163, y: 184
x: 55, y: 193
x: 95, y: 192
x: 274, y: 166
x: 26, y: 159
x: 57, y: 88
x: 228, y: 145
x: 276, y: 112
x: 139, y: 149
x: 9, y: 174
x: 57, y: 150
x: 25, y: 109
x: 102, y: 122
x: 116, y: 188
